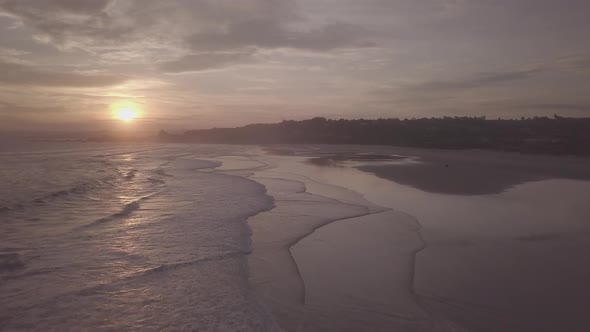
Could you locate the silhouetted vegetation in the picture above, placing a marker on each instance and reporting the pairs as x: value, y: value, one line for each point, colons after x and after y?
x: 557, y: 135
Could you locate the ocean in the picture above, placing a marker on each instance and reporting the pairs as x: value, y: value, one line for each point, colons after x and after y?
x: 126, y: 237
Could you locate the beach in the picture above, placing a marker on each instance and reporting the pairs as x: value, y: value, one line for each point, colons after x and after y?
x: 292, y: 238
x: 419, y: 240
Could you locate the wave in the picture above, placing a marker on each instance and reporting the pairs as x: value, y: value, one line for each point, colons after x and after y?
x: 84, y: 189
x: 146, y: 273
x: 155, y: 181
x: 56, y: 194
x: 78, y: 189
x: 131, y: 174
x: 122, y: 153
x: 10, y: 262
x: 176, y: 265
x: 42, y: 200
x: 126, y: 211
x: 162, y: 172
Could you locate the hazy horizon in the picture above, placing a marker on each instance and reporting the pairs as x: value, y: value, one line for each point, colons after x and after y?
x: 70, y: 66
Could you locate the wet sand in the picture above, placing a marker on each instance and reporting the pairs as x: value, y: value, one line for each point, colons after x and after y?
x: 346, y: 249
x: 358, y: 275
x: 469, y: 172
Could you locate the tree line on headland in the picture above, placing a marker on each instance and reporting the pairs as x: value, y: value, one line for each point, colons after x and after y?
x: 556, y: 135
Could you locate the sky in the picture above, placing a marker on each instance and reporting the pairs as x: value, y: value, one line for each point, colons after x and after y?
x: 189, y: 64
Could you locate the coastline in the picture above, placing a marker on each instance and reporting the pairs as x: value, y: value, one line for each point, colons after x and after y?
x: 290, y: 289
x: 276, y: 273
x: 322, y: 247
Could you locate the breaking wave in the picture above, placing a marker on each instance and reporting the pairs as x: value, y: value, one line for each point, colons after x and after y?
x: 126, y: 211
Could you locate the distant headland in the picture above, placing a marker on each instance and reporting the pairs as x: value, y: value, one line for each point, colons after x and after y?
x: 555, y: 135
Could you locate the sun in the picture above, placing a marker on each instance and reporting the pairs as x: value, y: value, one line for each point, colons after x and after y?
x: 126, y: 114
x: 125, y: 111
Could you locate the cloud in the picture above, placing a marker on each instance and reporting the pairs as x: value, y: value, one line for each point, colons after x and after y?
x: 480, y: 80
x: 579, y: 62
x: 205, y: 25
x: 27, y: 110
x: 557, y: 106
x: 59, y: 20
x: 178, y: 35
x: 87, y: 23
x: 272, y: 34
x: 447, y: 88
x: 204, y: 61
x: 30, y: 7
x: 19, y: 74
